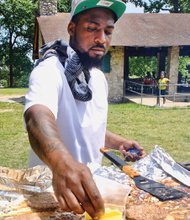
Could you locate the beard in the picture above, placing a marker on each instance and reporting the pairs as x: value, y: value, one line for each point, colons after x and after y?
x: 89, y: 62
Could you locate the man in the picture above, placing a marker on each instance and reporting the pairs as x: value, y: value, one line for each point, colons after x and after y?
x: 162, y: 86
x: 66, y: 106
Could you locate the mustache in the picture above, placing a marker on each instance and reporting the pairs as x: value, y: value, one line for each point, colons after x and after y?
x: 98, y: 46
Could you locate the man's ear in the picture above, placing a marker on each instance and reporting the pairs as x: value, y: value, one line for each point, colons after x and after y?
x: 71, y: 28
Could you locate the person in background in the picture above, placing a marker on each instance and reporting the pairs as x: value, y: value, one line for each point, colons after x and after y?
x: 66, y: 106
x: 148, y: 83
x: 162, y: 87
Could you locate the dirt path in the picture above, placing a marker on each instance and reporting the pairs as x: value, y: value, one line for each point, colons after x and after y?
x: 12, y: 99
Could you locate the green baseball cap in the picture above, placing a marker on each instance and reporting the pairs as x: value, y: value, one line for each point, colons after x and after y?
x: 116, y: 6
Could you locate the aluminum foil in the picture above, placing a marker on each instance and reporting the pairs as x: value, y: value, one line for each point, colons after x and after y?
x: 111, y: 173
x: 158, y: 165
x: 36, y: 179
x: 114, y: 185
x: 15, y: 185
x: 8, y: 200
x: 172, y: 168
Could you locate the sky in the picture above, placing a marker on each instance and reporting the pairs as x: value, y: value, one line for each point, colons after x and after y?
x: 131, y: 8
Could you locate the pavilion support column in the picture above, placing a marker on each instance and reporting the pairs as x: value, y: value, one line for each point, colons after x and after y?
x: 173, y: 66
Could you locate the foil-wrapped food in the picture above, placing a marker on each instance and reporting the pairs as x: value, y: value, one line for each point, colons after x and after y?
x: 16, y: 186
x: 29, y: 191
x: 158, y: 165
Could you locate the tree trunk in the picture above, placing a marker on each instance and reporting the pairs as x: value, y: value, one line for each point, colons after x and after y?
x: 10, y: 62
x: 176, y: 6
x: 10, y: 75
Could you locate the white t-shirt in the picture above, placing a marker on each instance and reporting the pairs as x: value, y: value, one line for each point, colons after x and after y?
x: 82, y: 125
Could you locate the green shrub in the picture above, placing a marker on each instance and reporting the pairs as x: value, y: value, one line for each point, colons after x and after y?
x: 4, y: 83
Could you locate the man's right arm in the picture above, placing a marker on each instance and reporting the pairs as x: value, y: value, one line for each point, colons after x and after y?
x: 43, y: 133
x: 72, y: 181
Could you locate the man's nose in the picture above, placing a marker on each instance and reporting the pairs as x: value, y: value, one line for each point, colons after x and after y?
x: 100, y: 37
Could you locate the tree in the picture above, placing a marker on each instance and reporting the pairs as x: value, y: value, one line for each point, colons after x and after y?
x: 64, y: 5
x: 17, y: 19
x: 155, y: 6
x: 140, y: 66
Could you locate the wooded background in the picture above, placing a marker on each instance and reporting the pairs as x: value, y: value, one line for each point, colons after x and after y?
x: 17, y: 20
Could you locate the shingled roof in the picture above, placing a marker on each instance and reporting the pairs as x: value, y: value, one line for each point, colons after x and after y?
x: 133, y: 30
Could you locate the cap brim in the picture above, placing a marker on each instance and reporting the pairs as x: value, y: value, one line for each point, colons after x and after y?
x: 117, y: 7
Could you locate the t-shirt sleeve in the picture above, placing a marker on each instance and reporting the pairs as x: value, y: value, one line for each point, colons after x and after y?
x: 45, y: 85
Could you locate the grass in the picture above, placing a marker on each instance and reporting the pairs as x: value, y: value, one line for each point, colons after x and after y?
x: 13, y: 138
x: 168, y: 128
x: 150, y: 126
x: 12, y: 91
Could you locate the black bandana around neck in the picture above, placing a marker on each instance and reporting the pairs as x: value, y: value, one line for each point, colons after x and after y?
x: 77, y: 75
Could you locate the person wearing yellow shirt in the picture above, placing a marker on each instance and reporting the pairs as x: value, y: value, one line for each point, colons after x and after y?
x: 162, y: 87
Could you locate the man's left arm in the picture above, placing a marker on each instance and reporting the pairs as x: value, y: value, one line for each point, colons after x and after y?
x: 122, y: 144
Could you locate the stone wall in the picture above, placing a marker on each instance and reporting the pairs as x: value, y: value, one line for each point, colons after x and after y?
x: 47, y: 7
x: 173, y: 64
x: 116, y: 77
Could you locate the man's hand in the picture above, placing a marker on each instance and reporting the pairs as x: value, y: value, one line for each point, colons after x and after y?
x: 131, y: 150
x: 76, y: 190
x: 120, y: 143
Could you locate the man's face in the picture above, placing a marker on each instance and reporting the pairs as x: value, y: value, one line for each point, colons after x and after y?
x: 91, y: 34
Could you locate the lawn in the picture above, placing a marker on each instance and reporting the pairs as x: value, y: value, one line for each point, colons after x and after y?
x: 13, y: 91
x: 150, y: 126
x: 13, y: 138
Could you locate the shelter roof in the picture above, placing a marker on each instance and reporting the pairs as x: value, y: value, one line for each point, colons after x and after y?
x: 132, y: 30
